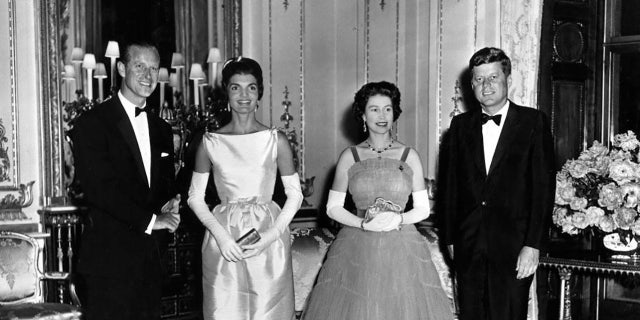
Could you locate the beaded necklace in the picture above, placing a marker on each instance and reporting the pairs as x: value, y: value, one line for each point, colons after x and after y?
x: 379, y: 151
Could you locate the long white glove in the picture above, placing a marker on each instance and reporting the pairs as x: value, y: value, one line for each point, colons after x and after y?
x: 337, y: 212
x: 386, y: 221
x: 421, y: 208
x: 293, y: 191
x: 230, y: 250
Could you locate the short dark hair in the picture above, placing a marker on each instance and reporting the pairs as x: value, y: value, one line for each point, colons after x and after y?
x: 490, y: 55
x: 372, y: 89
x: 145, y: 45
x: 242, y: 65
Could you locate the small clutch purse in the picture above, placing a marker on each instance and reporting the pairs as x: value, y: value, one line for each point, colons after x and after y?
x: 380, y: 205
x: 250, y: 237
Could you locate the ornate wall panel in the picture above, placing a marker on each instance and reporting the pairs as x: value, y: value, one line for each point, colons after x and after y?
x: 286, y: 25
x: 382, y: 40
x: 8, y: 90
x: 14, y: 193
x: 567, y: 116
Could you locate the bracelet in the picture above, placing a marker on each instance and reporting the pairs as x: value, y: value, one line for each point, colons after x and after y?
x: 362, y: 225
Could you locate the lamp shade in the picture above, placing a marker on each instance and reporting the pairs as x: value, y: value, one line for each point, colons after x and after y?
x: 196, y: 72
x: 177, y: 60
x: 113, y: 50
x: 214, y: 55
x: 173, y: 80
x: 101, y: 71
x: 69, y: 72
x: 89, y: 61
x: 163, y: 75
x: 77, y: 54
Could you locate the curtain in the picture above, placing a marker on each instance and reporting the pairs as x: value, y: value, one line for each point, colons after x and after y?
x: 520, y: 37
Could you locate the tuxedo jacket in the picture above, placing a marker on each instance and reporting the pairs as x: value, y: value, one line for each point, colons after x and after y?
x: 119, y: 201
x: 507, y: 208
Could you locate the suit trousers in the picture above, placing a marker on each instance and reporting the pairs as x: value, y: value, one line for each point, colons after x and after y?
x: 488, y: 293
x: 120, y: 298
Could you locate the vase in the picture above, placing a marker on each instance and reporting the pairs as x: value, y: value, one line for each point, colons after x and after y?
x: 616, y: 249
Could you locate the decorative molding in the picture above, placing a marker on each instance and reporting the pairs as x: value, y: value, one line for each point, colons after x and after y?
x: 12, y: 203
x: 5, y: 161
x: 457, y: 99
x: 307, y: 183
x: 270, y: 63
x: 439, y: 97
x: 367, y: 18
x: 397, y: 62
x: 54, y: 184
x: 568, y: 41
x: 235, y: 25
x: 61, y: 215
x: 9, y: 179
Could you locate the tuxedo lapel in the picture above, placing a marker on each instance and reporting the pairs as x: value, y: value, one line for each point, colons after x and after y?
x: 126, y: 129
x: 154, y: 137
x: 508, y: 134
x: 476, y: 142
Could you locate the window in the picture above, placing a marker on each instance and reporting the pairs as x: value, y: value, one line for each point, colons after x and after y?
x: 621, y: 52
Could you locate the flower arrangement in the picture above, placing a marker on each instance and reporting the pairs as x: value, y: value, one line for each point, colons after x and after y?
x: 600, y: 191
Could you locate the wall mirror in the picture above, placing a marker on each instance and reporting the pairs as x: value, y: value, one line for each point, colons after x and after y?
x: 72, y: 30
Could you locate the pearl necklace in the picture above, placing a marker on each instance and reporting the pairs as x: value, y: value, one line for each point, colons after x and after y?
x: 378, y: 151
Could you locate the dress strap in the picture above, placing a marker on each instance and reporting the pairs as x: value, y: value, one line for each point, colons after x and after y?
x: 405, y: 153
x: 356, y: 157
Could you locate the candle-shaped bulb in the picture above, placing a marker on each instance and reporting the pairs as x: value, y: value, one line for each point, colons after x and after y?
x: 101, y: 71
x: 177, y: 60
x: 113, y: 50
x: 69, y: 72
x: 89, y: 61
x: 77, y: 55
x: 163, y: 75
x: 173, y: 80
x: 214, y: 55
x: 196, y: 72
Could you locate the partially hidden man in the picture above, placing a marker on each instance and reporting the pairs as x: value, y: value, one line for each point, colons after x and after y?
x: 496, y: 188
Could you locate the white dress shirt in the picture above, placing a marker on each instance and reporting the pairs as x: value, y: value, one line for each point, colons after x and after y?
x: 141, y: 129
x: 490, y: 135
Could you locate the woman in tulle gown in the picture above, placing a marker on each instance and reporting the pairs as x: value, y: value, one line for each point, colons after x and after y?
x: 255, y: 281
x: 379, y: 267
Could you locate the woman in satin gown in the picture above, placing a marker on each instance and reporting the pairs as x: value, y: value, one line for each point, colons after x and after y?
x: 247, y: 282
x: 379, y: 266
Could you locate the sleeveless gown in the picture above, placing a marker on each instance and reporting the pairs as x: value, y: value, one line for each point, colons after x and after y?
x: 378, y: 275
x: 261, y: 287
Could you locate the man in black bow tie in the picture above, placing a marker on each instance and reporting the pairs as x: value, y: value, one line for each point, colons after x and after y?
x: 495, y: 194
x: 124, y: 164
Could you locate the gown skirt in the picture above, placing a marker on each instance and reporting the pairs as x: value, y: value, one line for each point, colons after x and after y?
x: 260, y: 287
x: 378, y: 275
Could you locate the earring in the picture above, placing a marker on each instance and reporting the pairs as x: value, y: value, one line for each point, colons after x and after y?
x: 364, y: 126
x: 228, y: 108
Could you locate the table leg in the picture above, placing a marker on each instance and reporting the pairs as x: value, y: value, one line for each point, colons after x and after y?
x: 599, y: 286
x: 565, y: 294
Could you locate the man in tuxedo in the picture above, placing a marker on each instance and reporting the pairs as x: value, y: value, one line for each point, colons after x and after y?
x: 124, y: 163
x: 496, y: 194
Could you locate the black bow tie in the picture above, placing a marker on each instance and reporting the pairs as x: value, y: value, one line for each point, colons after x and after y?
x: 496, y: 118
x: 140, y: 110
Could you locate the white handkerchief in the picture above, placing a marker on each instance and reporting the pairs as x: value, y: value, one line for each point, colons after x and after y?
x: 164, y: 154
